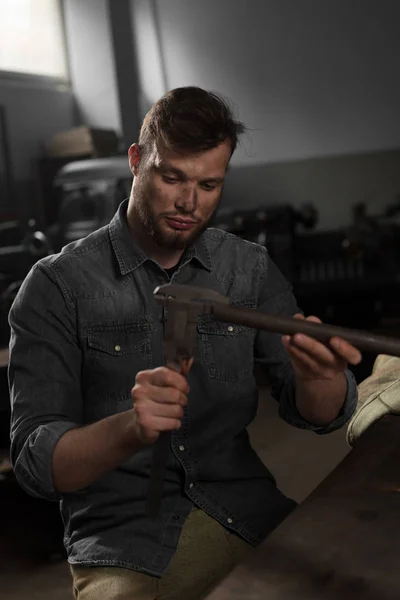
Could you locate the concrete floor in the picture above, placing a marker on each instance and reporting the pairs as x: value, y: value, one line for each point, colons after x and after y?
x: 31, y: 533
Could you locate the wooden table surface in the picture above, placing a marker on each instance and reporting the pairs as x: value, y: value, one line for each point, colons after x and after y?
x: 343, y: 542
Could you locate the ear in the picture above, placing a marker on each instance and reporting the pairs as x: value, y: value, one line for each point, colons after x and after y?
x: 134, y: 157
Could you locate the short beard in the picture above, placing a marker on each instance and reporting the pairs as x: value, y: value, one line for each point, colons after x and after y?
x: 171, y: 240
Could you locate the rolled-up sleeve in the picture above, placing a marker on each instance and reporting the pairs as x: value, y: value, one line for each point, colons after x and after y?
x: 289, y: 413
x: 44, y: 378
x: 276, y: 297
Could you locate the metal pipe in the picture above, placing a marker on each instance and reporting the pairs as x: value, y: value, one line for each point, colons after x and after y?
x: 320, y: 331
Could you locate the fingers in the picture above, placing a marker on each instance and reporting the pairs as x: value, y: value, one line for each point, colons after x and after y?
x: 150, y: 425
x: 159, y: 397
x: 186, y: 366
x: 162, y: 424
x: 314, y: 348
x: 299, y: 316
x: 309, y: 364
x: 309, y: 344
x: 163, y: 377
x: 147, y: 409
x: 344, y: 349
x: 318, y: 357
x: 162, y: 393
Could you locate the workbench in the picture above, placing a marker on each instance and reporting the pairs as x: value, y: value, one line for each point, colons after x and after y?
x: 342, y: 542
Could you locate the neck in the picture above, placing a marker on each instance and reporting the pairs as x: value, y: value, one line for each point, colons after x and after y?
x: 167, y: 260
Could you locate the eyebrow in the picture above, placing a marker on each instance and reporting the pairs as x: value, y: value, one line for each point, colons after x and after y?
x: 163, y: 168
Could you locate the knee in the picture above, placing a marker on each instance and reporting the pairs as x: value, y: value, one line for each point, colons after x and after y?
x: 111, y: 583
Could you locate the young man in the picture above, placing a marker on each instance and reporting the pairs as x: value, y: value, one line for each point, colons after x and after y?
x: 90, y: 394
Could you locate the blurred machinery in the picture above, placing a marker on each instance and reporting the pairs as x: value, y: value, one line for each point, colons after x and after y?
x: 20, y: 247
x: 88, y: 192
x: 348, y: 277
x: 345, y: 276
x: 276, y: 227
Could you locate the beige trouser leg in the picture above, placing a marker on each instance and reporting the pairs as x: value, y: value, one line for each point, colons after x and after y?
x: 206, y: 553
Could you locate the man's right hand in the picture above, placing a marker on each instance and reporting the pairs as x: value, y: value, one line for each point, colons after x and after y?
x: 81, y: 456
x: 159, y: 397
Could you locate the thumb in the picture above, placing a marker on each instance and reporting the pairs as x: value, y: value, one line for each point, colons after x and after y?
x: 299, y: 316
x: 186, y: 366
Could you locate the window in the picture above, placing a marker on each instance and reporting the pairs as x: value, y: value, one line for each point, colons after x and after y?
x: 32, y: 38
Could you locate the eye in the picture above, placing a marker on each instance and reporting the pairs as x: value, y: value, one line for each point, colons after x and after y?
x: 208, y: 187
x: 169, y: 179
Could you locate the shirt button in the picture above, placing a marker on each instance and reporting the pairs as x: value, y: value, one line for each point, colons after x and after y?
x: 230, y: 328
x: 191, y: 485
x: 117, y: 348
x: 229, y: 520
x: 181, y: 448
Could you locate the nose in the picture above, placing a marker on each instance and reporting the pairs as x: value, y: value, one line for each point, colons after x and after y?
x: 187, y: 200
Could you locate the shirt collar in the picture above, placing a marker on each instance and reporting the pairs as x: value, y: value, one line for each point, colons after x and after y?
x: 130, y: 256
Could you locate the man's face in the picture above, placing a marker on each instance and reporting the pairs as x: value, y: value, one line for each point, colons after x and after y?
x: 175, y: 194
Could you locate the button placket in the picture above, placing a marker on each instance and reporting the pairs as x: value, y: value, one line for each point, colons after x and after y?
x: 180, y: 446
x: 184, y: 459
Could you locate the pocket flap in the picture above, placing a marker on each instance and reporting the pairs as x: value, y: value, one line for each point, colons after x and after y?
x: 209, y: 325
x: 213, y: 327
x: 120, y: 340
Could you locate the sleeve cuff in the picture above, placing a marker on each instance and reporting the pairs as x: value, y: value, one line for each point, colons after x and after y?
x: 289, y: 413
x: 33, y: 467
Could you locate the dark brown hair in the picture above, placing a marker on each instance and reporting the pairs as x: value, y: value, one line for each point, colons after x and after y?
x: 189, y: 119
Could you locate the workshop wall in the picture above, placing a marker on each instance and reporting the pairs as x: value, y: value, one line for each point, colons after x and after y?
x: 34, y: 110
x: 103, y: 65
x: 91, y: 61
x: 313, y: 81
x: 332, y: 184
x: 103, y: 94
x: 150, y: 55
x: 310, y: 78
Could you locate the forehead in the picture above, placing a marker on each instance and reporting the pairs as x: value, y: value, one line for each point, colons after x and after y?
x: 211, y: 163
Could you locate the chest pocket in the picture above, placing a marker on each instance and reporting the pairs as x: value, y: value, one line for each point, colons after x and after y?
x: 226, y: 349
x: 113, y: 357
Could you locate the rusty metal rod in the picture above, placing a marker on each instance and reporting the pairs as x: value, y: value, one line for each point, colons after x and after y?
x: 320, y: 331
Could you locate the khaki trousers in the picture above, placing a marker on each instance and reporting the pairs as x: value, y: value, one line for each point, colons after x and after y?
x: 206, y: 553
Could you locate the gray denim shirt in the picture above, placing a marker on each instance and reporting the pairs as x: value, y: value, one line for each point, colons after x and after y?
x: 83, y: 324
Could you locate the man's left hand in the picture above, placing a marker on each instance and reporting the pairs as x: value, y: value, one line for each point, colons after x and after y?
x: 312, y: 360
